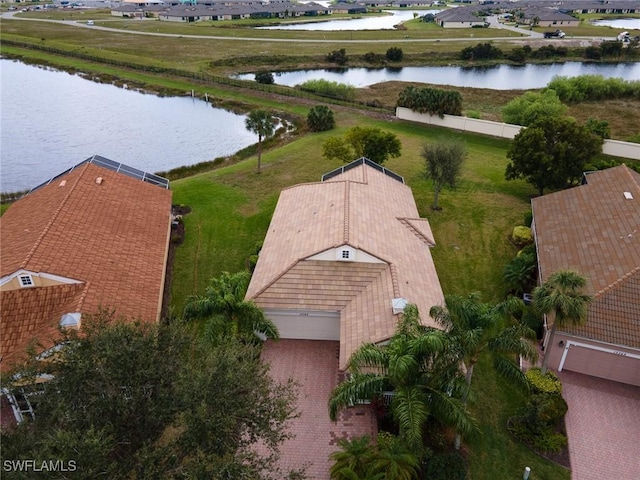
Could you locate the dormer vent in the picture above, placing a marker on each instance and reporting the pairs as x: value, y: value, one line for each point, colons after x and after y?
x: 70, y: 320
x: 628, y: 195
x: 99, y: 180
x: 345, y: 254
x: 63, y: 183
x: 398, y: 305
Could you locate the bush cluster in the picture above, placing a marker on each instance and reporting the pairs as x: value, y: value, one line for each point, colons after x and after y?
x: 264, y: 78
x: 431, y: 100
x: 446, y: 466
x: 330, y: 89
x: 338, y: 56
x: 548, y: 383
x: 522, y: 235
x: 394, y: 54
x: 593, y: 87
x: 482, y: 51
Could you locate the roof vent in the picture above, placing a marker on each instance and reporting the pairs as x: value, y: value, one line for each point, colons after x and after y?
x: 398, y: 305
x: 628, y: 195
x: 345, y: 254
x: 70, y: 320
x: 63, y: 183
x: 99, y: 180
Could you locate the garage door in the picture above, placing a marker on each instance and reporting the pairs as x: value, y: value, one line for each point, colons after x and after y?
x: 305, y: 324
x: 602, y: 362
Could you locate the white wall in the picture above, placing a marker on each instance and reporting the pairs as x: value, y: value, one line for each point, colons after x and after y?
x: 616, y: 148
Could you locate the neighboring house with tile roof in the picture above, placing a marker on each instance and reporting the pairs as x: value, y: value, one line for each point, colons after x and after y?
x: 95, y: 236
x: 343, y: 256
x: 594, y: 229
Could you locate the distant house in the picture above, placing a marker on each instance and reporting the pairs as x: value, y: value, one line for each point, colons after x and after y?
x: 342, y: 258
x: 460, y: 17
x: 547, y: 17
x: 95, y: 236
x: 594, y: 229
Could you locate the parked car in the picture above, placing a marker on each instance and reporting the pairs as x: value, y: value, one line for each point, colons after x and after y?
x: 556, y: 34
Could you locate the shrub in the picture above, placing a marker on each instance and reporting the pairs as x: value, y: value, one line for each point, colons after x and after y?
x: 533, y: 106
x: 264, y: 77
x: 548, y: 383
x: 528, y: 218
x: 338, y: 56
x: 593, y: 87
x: 446, y: 466
x: 553, y: 442
x: 326, y: 88
x: 371, y: 57
x: 599, y: 127
x: 482, y: 51
x: 593, y: 53
x: 473, y: 114
x: 431, y: 100
x: 394, y: 54
x: 320, y: 118
x: 522, y: 235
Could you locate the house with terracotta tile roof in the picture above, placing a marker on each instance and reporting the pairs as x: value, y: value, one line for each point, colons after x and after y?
x: 342, y: 257
x: 594, y: 229
x: 95, y: 236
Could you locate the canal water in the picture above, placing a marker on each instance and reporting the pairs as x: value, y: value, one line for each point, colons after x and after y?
x: 499, y: 77
x: 52, y: 120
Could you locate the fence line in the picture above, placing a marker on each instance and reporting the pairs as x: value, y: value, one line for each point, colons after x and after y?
x: 615, y: 148
x: 205, y: 78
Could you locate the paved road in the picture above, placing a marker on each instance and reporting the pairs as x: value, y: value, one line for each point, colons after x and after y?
x: 531, y: 34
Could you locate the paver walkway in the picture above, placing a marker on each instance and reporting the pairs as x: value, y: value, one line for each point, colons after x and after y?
x: 603, y: 426
x: 314, y: 365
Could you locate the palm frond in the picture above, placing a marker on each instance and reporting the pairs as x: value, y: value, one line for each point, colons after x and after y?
x: 359, y: 386
x: 451, y: 411
x: 509, y: 370
x: 369, y: 356
x: 409, y: 407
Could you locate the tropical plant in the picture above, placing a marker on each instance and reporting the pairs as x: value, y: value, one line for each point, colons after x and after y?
x: 476, y: 327
x: 519, y: 272
x: 227, y: 311
x: 261, y: 123
x: 353, y: 460
x: 561, y: 297
x: 419, y: 365
x: 443, y: 162
x: 320, y: 118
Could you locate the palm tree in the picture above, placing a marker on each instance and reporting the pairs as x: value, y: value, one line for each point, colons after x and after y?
x: 224, y: 305
x: 419, y: 366
x: 563, y: 300
x: 477, y: 327
x: 394, y: 461
x: 352, y: 462
x: 262, y: 124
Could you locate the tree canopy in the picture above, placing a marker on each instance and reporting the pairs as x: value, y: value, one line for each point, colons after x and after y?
x: 371, y: 142
x: 227, y: 312
x: 531, y: 107
x: 562, y: 297
x: 443, y: 162
x: 133, y: 400
x: 551, y: 153
x: 420, y: 366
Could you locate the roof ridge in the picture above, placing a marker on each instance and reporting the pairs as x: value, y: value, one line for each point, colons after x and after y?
x: 276, y: 278
x: 407, y: 223
x: 629, y: 173
x: 347, y: 218
x: 394, y: 280
x: 53, y: 218
x: 615, y: 284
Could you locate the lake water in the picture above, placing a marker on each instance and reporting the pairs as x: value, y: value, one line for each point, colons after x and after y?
x: 621, y: 23
x: 500, y: 77
x: 52, y: 120
x: 386, y: 22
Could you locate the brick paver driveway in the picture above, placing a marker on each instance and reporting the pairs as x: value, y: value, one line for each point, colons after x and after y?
x: 314, y: 365
x: 603, y: 425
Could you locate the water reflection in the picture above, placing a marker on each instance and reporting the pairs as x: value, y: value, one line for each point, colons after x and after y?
x: 52, y: 120
x: 622, y: 23
x: 500, y: 77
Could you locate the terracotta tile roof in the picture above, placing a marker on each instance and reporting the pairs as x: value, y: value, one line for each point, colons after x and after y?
x: 595, y: 230
x: 32, y: 315
x: 368, y: 211
x: 111, y: 235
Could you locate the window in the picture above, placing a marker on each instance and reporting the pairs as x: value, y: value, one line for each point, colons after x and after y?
x: 26, y: 281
